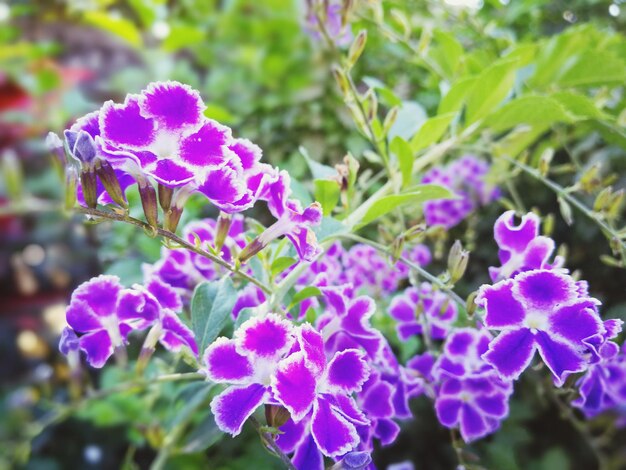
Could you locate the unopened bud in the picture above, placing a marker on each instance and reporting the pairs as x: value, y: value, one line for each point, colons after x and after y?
x: 457, y: 261
x: 149, y: 202
x: 224, y: 221
x: 165, y: 197
x: 397, y: 247
x: 56, y: 147
x: 89, y: 186
x: 602, y: 199
x: 372, y: 105
x: 342, y: 80
x: 616, y: 202
x: 250, y: 250
x: 356, y: 49
x: 71, y: 181
x: 590, y: 179
x: 276, y: 415
x: 566, y: 211
x: 470, y: 304
x: 400, y: 18
x: 109, y: 180
x: 390, y: 119
x: 544, y: 161
x: 548, y: 225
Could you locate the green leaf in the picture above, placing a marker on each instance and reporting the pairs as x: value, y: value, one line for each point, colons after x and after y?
x: 182, y: 36
x: 432, y: 130
x: 304, y: 294
x: 415, y: 195
x: 411, y: 116
x: 492, y: 86
x: 120, y: 27
x: 454, y: 99
x: 327, y: 194
x: 329, y: 227
x: 578, y: 105
x: 593, y: 68
x: 532, y: 110
x: 404, y: 154
x: 318, y: 170
x: 204, y: 435
x: 447, y: 53
x: 211, y: 306
x: 191, y: 403
x: 282, y: 263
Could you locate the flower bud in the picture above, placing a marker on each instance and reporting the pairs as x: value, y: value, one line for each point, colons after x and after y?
x: 590, y: 179
x: 109, y: 180
x: 148, y: 201
x: 71, y: 180
x: 544, y: 161
x: 224, y: 222
x: 390, y: 120
x: 276, y: 415
x: 250, y: 250
x: 356, y: 49
x: 12, y: 172
x: 566, y: 211
x: 457, y: 261
x: 342, y: 80
x: 56, y: 147
x: 165, y: 197
x: 89, y: 186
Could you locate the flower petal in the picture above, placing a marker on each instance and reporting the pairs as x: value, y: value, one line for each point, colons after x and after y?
x: 448, y: 410
x: 347, y: 371
x: 502, y: 309
x: 97, y: 347
x: 544, y: 290
x: 123, y: 125
x: 308, y: 456
x: 511, y: 352
x: 269, y: 337
x: 177, y: 335
x: 294, y: 386
x: 172, y: 104
x: 236, y: 404
x: 224, y: 364
x: 576, y: 322
x: 100, y: 293
x: 206, y: 146
x: 333, y: 434
x: 560, y: 357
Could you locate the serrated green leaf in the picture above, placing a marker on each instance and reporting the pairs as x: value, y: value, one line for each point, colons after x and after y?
x: 415, y: 195
x: 432, y: 130
x: 211, y: 306
x: 327, y: 194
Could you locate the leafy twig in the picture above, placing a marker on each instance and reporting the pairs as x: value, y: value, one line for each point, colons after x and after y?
x: 271, y: 443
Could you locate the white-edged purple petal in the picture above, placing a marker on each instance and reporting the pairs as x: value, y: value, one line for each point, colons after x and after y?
x: 347, y: 371
x: 333, y: 434
x: 123, y: 125
x: 97, y: 347
x: 511, y: 352
x: 236, y: 404
x: 560, y: 357
x: 177, y: 335
x: 269, y: 337
x: 224, y: 364
x: 502, y: 309
x: 206, y: 147
x: 294, y: 385
x: 174, y: 105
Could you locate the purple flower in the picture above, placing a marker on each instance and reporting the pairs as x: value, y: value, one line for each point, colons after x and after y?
x: 423, y: 310
x: 294, y: 222
x: 306, y: 383
x: 248, y: 363
x: 159, y: 309
x: 466, y: 178
x: 105, y: 313
x: 544, y: 311
x: 340, y: 34
x: 521, y: 248
x: 603, y: 386
x: 345, y: 323
x: 470, y: 394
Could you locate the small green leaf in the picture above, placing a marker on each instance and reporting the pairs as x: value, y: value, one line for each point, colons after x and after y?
x: 455, y: 97
x: 211, y: 306
x: 491, y: 87
x: 203, y: 436
x: 318, y: 170
x: 327, y: 194
x: 533, y: 110
x: 120, y: 27
x: 415, y: 195
x: 593, y: 68
x: 329, y: 227
x: 403, y: 152
x: 578, y: 105
x: 182, y: 36
x: 282, y: 263
x: 432, y: 130
x: 411, y: 116
x: 304, y: 294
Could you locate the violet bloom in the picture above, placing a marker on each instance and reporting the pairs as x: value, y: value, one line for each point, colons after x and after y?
x: 69, y: 346
x: 341, y: 35
x: 159, y: 310
x: 470, y: 394
x: 345, y: 323
x: 466, y: 178
x: 248, y: 364
x: 105, y: 313
x: 603, y: 386
x: 423, y: 310
x: 306, y: 383
x: 294, y: 222
x: 539, y: 310
x: 521, y: 248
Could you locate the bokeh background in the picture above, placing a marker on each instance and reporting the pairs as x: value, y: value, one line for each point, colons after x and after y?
x: 262, y: 74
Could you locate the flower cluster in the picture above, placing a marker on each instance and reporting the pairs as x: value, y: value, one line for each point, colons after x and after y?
x: 105, y: 313
x: 540, y: 308
x: 466, y: 178
x: 423, y: 310
x: 162, y: 136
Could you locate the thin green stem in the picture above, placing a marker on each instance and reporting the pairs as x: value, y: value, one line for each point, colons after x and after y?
x: 563, y: 193
x: 268, y: 439
x: 174, y: 238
